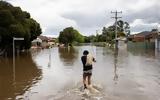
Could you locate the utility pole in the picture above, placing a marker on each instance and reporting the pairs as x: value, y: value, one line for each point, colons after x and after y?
x: 96, y: 31
x: 116, y: 17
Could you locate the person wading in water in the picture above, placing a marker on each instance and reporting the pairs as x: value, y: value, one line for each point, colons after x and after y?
x: 87, y: 61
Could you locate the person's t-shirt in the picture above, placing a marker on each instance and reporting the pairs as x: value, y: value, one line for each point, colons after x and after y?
x: 85, y: 67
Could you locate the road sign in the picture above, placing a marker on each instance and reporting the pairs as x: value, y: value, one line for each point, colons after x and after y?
x: 18, y: 38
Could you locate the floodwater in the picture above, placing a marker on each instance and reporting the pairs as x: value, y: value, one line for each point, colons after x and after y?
x: 56, y: 74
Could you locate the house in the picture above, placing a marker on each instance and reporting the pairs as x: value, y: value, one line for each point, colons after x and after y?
x: 145, y: 39
x: 144, y: 36
x: 43, y: 42
x: 51, y: 41
x: 36, y: 42
x: 140, y: 37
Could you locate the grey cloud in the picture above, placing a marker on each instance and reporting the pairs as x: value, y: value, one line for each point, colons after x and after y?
x: 89, y: 23
x: 88, y: 20
x: 53, y: 30
x: 141, y: 28
x: 149, y: 15
x: 100, y: 19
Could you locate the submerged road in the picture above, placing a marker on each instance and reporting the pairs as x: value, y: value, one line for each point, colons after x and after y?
x: 56, y: 74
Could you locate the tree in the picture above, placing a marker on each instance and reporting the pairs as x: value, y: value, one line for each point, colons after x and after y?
x: 100, y: 38
x: 16, y: 23
x: 123, y: 29
x: 109, y: 33
x: 87, y: 39
x: 69, y: 35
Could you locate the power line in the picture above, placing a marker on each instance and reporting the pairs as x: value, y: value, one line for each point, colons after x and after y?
x: 116, y: 17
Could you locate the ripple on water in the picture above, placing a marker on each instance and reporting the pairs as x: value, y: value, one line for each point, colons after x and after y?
x: 78, y: 93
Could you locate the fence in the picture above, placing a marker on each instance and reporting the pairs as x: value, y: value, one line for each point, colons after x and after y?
x: 141, y: 45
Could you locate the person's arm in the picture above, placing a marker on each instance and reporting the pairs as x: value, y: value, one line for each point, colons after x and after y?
x: 83, y: 60
x: 94, y: 60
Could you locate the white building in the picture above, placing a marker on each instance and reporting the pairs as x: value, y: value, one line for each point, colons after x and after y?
x: 36, y: 42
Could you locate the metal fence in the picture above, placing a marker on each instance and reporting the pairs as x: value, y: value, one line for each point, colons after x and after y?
x: 141, y: 45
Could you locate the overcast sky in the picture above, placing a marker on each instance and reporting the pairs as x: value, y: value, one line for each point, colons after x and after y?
x: 87, y: 16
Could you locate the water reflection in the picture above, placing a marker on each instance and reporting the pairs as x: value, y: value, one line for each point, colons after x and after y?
x: 115, y: 66
x: 68, y: 55
x: 26, y: 74
x: 115, y: 72
x: 143, y: 52
x: 35, y: 52
x: 49, y: 55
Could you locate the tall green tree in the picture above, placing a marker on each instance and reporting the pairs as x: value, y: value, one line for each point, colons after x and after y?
x: 109, y: 33
x: 123, y: 29
x: 70, y: 35
x: 16, y: 23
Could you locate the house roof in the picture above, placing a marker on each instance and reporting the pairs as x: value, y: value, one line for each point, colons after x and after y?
x: 43, y: 38
x: 144, y: 33
x: 37, y: 40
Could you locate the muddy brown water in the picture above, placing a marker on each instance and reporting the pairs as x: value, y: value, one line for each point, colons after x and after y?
x: 56, y: 74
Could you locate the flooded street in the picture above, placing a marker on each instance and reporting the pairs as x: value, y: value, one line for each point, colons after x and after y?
x: 56, y: 74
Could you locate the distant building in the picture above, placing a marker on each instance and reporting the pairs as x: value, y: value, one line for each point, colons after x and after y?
x: 149, y: 36
x: 43, y: 42
x: 144, y: 39
x: 51, y: 42
x: 36, y: 43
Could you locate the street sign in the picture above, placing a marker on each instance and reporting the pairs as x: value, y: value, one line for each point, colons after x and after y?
x: 18, y: 38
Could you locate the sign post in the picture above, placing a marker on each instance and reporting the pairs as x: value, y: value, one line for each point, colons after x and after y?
x: 15, y: 39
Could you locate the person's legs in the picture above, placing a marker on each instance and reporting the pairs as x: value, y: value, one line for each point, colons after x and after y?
x: 89, y: 79
x: 84, y: 80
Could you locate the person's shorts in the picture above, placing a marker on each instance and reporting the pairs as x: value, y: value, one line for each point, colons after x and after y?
x: 88, y: 72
